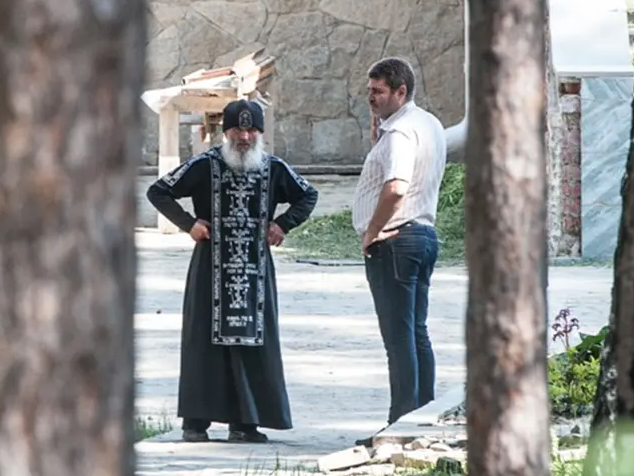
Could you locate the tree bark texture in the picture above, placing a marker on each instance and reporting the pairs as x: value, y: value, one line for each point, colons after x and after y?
x: 71, y: 75
x: 610, y: 446
x: 506, y: 241
x: 601, y: 453
x: 623, y: 304
x: 609, y: 449
x: 553, y: 139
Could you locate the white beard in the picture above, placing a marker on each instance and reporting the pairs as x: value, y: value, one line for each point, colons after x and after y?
x: 248, y: 161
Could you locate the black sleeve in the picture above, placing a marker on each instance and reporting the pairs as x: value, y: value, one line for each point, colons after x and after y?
x: 178, y: 183
x: 301, y: 195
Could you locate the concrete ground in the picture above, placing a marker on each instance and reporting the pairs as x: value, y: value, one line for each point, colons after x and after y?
x: 333, y: 356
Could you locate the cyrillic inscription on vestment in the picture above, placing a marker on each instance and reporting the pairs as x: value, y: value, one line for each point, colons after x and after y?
x: 239, y: 228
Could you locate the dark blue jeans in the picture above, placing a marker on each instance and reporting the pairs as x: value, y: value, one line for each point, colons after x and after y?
x: 399, y: 272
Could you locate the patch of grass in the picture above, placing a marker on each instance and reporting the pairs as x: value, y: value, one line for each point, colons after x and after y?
x: 573, y: 441
x: 333, y: 237
x: 326, y: 237
x: 566, y: 468
x: 149, y: 427
x: 558, y: 468
x: 450, y: 220
x: 281, y: 467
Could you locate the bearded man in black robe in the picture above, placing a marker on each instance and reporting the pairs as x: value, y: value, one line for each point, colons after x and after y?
x: 231, y: 364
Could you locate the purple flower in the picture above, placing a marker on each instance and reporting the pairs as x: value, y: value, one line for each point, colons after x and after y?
x: 564, y: 325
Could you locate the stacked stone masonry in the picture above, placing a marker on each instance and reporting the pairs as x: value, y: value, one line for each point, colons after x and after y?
x: 323, y: 49
x: 570, y: 244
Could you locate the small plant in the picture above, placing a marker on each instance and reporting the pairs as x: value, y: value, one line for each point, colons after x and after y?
x: 572, y: 386
x: 573, y: 441
x: 563, y: 326
x: 148, y: 427
x: 573, y: 374
x: 566, y: 468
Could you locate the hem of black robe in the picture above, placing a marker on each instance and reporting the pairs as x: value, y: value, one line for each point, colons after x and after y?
x: 261, y: 424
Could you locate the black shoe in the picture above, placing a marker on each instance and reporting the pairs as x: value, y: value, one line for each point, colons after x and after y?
x: 193, y: 436
x: 247, y: 436
x: 369, y: 441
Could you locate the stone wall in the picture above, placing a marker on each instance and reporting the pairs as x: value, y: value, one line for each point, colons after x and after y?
x: 323, y: 50
x: 570, y: 244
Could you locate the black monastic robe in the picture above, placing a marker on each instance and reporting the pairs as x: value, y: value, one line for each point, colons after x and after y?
x: 231, y: 365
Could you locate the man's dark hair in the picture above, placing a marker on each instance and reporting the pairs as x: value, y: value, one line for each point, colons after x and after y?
x: 395, y: 72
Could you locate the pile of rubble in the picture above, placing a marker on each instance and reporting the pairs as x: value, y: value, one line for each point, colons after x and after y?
x: 446, y: 455
x: 434, y: 439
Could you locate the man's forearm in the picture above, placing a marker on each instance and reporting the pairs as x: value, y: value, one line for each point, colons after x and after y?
x: 390, y: 201
x: 299, y: 211
x: 170, y: 208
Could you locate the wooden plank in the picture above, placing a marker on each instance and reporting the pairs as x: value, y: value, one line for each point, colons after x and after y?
x: 190, y: 103
x: 245, y: 59
x: 265, y: 85
x: 203, y: 74
x: 260, y: 80
x: 245, y: 66
x: 168, y: 155
x: 268, y: 62
x: 222, y: 86
x: 204, y: 91
x: 192, y: 76
x: 250, y: 73
x: 192, y: 119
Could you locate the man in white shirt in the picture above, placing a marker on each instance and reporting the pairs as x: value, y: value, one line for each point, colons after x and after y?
x: 394, y: 210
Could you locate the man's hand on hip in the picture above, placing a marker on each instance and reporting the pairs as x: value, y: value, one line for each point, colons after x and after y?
x: 370, y: 238
x: 200, y: 231
x: 276, y: 235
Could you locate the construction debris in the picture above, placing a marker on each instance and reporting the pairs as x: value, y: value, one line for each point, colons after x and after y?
x: 444, y: 455
x: 206, y: 92
x: 345, y: 459
x: 209, y: 90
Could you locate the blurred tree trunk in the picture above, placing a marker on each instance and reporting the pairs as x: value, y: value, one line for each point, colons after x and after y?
x: 554, y: 140
x: 614, y: 399
x: 71, y: 75
x: 507, y: 394
x: 623, y: 308
x: 601, y: 454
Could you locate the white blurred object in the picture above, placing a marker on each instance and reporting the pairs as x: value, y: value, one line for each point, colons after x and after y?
x: 155, y: 98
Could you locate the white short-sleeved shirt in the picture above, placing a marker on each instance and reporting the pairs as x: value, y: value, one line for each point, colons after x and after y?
x: 411, y: 147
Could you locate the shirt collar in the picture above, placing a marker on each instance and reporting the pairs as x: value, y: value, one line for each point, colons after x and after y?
x: 385, y: 125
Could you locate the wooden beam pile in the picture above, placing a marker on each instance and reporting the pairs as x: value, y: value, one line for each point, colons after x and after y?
x: 249, y: 77
x: 206, y: 92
